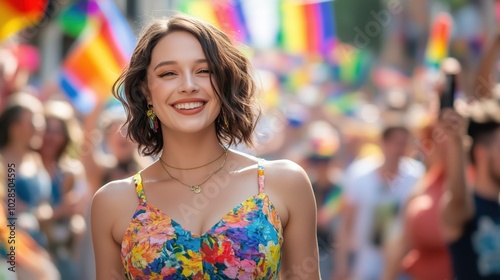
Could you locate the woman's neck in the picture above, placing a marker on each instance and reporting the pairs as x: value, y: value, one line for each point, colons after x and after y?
x: 48, y: 157
x: 190, y: 150
x: 49, y: 161
x: 389, y: 169
x: 14, y: 150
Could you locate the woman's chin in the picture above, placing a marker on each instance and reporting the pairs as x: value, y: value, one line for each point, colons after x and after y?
x: 193, y: 127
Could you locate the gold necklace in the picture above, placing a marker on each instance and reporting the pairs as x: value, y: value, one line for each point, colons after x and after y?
x: 191, y: 168
x: 196, y: 188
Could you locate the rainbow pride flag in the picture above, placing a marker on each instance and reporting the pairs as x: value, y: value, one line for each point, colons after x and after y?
x: 231, y: 18
x: 350, y: 66
x: 15, y: 15
x: 225, y: 15
x: 307, y: 26
x: 75, y: 18
x: 100, y: 53
x: 437, y: 46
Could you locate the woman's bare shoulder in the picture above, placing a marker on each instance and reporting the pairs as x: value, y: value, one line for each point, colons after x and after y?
x: 286, y: 173
x: 115, y: 194
x: 289, y: 188
x: 280, y: 173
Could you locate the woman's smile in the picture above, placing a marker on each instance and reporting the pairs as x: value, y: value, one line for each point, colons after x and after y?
x: 189, y: 106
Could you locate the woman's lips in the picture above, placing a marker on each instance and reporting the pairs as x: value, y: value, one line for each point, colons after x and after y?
x: 189, y: 107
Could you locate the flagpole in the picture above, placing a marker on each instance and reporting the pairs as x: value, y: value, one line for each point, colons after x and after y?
x: 51, y: 51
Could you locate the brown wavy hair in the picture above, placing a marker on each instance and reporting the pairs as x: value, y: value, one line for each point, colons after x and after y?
x: 230, y: 71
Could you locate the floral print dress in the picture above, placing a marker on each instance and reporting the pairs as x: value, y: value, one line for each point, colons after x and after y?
x: 244, y: 244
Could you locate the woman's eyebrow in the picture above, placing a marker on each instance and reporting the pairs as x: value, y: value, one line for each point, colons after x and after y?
x: 169, y: 62
x: 172, y: 62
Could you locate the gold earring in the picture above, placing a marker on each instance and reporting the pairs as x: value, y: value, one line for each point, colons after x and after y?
x: 152, y: 119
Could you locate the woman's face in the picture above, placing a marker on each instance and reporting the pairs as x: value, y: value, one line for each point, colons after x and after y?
x: 55, y: 137
x: 179, y: 88
x: 23, y: 130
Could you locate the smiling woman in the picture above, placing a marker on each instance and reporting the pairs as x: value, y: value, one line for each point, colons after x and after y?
x: 189, y: 95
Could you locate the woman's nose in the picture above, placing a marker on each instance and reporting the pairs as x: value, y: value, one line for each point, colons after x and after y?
x: 188, y: 84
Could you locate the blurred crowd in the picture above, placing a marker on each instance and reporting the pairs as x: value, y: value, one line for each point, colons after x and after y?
x: 396, y: 200
x: 57, y: 163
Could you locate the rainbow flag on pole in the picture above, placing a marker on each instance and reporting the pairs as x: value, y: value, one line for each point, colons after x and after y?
x: 307, y: 26
x: 226, y: 15
x: 15, y: 15
x: 100, y: 53
x: 437, y: 47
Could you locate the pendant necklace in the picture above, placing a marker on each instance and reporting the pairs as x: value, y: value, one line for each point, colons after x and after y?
x: 196, y: 188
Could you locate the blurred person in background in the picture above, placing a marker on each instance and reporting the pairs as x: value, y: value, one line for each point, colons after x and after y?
x: 17, y: 64
x: 375, y: 190
x: 471, y: 218
x: 419, y: 247
x: 59, y: 153
x: 8, y: 68
x: 107, y: 154
x: 21, y: 124
x: 324, y: 144
x: 32, y: 262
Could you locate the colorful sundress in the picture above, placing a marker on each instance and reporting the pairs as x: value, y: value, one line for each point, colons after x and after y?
x: 244, y: 244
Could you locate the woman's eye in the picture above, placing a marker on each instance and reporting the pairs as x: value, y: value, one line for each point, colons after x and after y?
x: 166, y: 74
x: 204, y: 71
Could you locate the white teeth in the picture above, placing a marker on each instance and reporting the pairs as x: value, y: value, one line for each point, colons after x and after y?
x: 188, y: 106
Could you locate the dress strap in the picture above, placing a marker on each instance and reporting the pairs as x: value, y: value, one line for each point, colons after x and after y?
x: 261, y: 175
x: 138, y: 187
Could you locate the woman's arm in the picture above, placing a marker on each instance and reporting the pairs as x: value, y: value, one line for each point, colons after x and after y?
x: 485, y: 79
x: 93, y: 135
x: 103, y: 216
x: 457, y: 201
x: 300, y: 259
x: 66, y: 208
